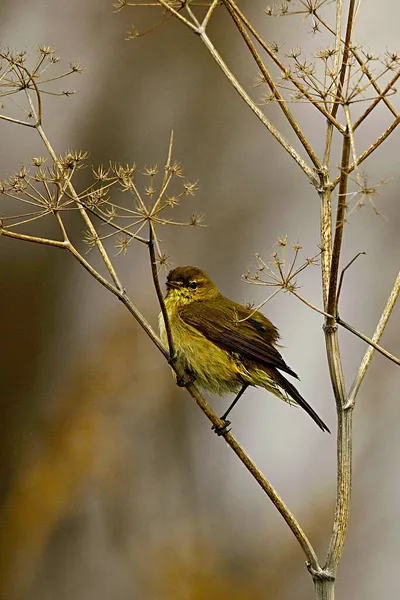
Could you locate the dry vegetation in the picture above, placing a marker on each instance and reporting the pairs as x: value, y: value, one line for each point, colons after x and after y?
x: 124, y: 205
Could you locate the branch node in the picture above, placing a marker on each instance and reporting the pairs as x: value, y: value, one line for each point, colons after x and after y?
x: 319, y: 573
x: 330, y: 328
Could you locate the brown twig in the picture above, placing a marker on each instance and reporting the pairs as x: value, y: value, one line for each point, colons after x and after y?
x: 341, y: 280
x: 387, y: 311
x: 231, y: 8
x: 286, y: 72
x: 261, y: 480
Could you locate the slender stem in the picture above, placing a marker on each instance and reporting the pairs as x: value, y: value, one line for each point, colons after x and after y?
x: 17, y: 121
x: 381, y: 96
x: 178, y: 15
x: 364, y: 68
x: 32, y: 238
x: 200, y: 31
x: 281, y: 103
x: 209, y: 14
x: 326, y: 241
x: 376, y: 337
x: 156, y: 281
x: 287, y: 73
x: 83, y: 212
x: 340, y: 219
x: 369, y: 150
x: 324, y: 589
x: 261, y: 480
x: 266, y: 122
x: 342, y: 277
x: 346, y: 51
x: 348, y: 327
x: 372, y: 343
x: 344, y: 467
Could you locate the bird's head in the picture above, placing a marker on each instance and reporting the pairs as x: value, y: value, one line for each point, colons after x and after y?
x: 190, y: 284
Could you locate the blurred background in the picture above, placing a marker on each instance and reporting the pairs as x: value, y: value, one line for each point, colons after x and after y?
x: 112, y: 485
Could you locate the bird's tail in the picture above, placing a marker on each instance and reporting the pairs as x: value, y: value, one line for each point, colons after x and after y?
x: 293, y: 393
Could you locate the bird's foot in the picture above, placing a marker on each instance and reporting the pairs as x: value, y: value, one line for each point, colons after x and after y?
x: 172, y: 359
x: 186, y: 379
x: 223, y: 428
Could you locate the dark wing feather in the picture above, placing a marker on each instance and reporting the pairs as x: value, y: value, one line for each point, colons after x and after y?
x: 220, y: 321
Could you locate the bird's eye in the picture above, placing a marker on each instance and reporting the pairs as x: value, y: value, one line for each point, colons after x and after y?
x: 192, y: 285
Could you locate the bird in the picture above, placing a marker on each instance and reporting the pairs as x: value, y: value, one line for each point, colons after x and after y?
x: 224, y: 346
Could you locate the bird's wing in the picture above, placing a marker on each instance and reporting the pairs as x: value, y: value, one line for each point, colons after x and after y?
x: 222, y: 323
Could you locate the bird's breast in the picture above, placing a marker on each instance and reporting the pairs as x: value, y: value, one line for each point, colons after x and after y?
x: 215, y: 369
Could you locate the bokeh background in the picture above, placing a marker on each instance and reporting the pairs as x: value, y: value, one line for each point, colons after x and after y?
x: 112, y: 485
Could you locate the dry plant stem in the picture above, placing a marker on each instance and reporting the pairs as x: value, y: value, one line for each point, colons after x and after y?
x: 281, y: 103
x: 262, y: 481
x: 244, y: 95
x: 330, y: 268
x: 324, y: 588
x: 369, y: 150
x: 114, y: 226
x: 370, y: 342
x: 266, y: 122
x: 326, y: 239
x: 17, y: 121
x: 340, y: 219
x: 209, y: 14
x: 342, y: 277
x: 382, y: 96
x: 366, y: 71
x: 345, y: 58
x: 344, y: 459
x: 349, y: 328
x: 156, y: 281
x: 235, y: 9
x: 32, y: 238
x: 376, y: 337
x: 83, y: 212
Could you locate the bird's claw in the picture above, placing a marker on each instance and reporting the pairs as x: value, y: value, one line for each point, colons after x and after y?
x: 222, y: 429
x: 172, y: 359
x: 185, y: 379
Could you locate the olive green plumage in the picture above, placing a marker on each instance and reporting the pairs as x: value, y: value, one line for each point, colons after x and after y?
x: 224, y: 344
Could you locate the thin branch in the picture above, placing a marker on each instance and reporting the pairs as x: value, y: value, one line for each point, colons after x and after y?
x: 114, y: 225
x: 369, y: 150
x: 32, y: 238
x: 376, y: 337
x: 346, y: 51
x: 281, y: 103
x: 17, y: 121
x: 381, y: 96
x: 209, y: 14
x: 200, y: 31
x: 348, y: 327
x: 363, y: 66
x: 266, y: 122
x: 156, y: 281
x: 178, y: 16
x: 82, y: 211
x: 283, y: 67
x: 340, y: 219
x: 261, y: 480
x: 368, y: 341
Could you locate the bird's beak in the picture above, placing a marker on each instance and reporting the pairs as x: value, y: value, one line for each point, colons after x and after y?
x: 171, y: 285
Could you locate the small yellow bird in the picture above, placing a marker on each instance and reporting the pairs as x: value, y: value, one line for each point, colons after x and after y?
x: 223, y: 345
